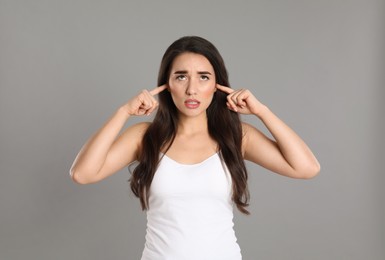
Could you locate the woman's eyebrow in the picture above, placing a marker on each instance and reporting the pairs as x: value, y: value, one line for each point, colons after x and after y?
x: 204, y: 72
x: 181, y: 72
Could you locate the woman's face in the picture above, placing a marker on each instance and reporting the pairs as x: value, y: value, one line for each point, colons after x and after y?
x: 192, y: 84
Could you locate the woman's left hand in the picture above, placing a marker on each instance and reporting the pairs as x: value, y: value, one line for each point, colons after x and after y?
x: 242, y: 101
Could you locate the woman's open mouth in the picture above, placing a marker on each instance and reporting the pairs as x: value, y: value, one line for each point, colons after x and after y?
x: 192, y: 103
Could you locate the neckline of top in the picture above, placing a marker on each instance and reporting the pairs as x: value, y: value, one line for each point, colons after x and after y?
x: 189, y: 164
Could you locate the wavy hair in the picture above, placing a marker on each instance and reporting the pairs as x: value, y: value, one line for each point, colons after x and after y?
x: 224, y: 126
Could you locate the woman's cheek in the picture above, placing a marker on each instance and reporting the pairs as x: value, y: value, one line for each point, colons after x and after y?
x: 210, y: 90
x: 176, y: 86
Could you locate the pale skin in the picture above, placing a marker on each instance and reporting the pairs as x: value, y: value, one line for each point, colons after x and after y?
x: 192, y: 85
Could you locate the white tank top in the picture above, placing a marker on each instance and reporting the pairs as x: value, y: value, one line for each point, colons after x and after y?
x: 190, y: 213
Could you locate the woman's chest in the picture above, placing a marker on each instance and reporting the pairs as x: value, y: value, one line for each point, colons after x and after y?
x: 206, y: 179
x: 192, y: 149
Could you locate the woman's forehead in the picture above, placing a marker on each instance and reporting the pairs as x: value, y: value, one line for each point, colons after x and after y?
x: 191, y: 62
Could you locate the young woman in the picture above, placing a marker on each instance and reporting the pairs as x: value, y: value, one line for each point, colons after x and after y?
x: 191, y: 168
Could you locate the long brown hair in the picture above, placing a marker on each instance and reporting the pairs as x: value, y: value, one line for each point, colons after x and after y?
x: 224, y: 126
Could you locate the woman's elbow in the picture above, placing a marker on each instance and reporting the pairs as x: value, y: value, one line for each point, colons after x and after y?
x: 310, y: 172
x: 79, y: 178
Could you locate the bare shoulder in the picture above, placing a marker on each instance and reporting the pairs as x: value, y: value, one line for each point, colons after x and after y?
x: 246, y: 127
x: 139, y: 127
x: 248, y: 131
x: 251, y: 135
x: 134, y: 134
x: 128, y: 143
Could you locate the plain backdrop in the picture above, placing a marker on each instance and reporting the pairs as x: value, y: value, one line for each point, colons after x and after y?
x: 66, y: 66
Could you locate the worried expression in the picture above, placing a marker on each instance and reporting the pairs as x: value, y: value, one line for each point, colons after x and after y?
x: 192, y: 83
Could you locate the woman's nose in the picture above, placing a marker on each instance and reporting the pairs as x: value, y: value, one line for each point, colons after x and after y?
x: 191, y: 87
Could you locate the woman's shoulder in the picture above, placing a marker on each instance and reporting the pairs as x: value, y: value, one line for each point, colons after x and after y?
x: 246, y: 128
x: 141, y: 125
x: 250, y: 134
x: 138, y: 129
x: 249, y: 130
x: 135, y: 131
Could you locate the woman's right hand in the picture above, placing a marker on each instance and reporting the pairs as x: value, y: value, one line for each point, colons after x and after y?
x: 144, y: 103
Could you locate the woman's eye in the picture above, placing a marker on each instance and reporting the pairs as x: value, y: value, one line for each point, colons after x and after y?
x: 204, y: 77
x: 181, y: 77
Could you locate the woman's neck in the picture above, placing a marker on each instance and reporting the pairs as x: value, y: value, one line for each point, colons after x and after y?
x: 192, y: 125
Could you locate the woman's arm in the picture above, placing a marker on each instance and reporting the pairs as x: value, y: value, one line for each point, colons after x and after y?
x: 105, y: 153
x: 287, y: 154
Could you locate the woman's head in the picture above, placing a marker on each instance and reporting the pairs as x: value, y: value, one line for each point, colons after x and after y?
x: 197, y: 46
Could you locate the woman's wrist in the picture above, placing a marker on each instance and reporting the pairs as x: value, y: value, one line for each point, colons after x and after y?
x: 124, y: 111
x: 261, y: 111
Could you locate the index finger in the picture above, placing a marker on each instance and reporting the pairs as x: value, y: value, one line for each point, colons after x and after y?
x: 157, y: 90
x: 225, y: 89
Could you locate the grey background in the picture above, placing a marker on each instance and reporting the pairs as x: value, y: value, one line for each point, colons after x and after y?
x: 66, y: 66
